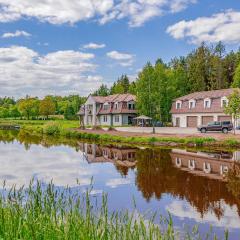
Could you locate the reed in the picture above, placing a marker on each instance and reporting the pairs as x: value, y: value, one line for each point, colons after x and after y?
x: 47, y: 212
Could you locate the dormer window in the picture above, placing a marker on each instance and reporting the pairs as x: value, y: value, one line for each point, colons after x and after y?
x: 224, y: 102
x: 207, y: 103
x: 192, y: 104
x: 178, y: 104
x: 116, y: 105
x: 105, y: 106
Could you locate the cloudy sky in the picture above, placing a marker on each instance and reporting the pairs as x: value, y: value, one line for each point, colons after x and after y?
x: 64, y: 47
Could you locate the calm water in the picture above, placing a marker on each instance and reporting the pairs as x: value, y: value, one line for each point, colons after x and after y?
x: 192, y: 186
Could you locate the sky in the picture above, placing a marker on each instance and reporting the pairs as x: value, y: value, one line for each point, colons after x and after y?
x: 64, y: 47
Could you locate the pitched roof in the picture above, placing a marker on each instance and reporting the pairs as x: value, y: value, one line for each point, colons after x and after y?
x: 207, y: 94
x: 115, y: 98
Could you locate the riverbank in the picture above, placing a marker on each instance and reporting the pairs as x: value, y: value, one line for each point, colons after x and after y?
x: 70, y: 129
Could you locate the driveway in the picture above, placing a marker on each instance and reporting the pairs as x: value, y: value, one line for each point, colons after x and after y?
x: 165, y: 130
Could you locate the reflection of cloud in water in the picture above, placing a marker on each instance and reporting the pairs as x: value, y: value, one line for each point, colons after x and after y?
x: 115, y: 182
x: 62, y: 166
x: 229, y: 220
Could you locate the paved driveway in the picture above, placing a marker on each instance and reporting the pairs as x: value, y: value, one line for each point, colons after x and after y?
x: 164, y: 130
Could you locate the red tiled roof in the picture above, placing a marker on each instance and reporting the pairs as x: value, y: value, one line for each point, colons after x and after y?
x: 207, y: 94
x: 214, y: 95
x: 115, y: 98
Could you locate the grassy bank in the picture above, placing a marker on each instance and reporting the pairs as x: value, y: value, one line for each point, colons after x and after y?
x: 69, y: 129
x: 46, y: 212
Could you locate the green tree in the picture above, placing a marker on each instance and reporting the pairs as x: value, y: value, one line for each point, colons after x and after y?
x: 29, y: 107
x: 233, y: 107
x: 102, y: 91
x: 69, y: 112
x: 14, y: 112
x: 236, y: 81
x: 4, y: 113
x: 47, y: 107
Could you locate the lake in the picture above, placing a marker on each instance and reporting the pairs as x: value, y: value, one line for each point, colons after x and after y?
x: 195, y: 187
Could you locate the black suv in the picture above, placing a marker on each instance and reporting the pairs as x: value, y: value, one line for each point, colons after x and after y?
x: 224, y: 127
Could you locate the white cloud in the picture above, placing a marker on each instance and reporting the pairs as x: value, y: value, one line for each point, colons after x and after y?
x: 65, y: 11
x: 94, y: 46
x: 223, y: 27
x: 124, y: 59
x: 18, y: 33
x: 63, y: 166
x: 24, y: 71
x: 229, y: 220
x: 116, y: 182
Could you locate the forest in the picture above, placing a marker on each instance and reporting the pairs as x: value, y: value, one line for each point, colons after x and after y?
x: 208, y: 67
x: 205, y: 68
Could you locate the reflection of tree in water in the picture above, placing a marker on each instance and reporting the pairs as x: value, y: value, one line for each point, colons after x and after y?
x: 156, y: 175
x: 28, y: 139
x: 233, y: 182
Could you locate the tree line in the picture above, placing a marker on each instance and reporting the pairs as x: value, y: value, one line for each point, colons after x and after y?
x: 208, y: 67
x: 34, y: 108
x: 205, y: 68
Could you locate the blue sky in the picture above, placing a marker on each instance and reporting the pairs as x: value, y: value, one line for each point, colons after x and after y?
x: 63, y: 47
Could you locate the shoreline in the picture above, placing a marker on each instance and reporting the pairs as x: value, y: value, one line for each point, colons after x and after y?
x: 69, y: 129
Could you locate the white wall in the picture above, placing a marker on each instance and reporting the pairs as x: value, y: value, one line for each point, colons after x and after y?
x: 108, y: 123
x: 90, y: 101
x: 183, y: 118
x: 120, y: 120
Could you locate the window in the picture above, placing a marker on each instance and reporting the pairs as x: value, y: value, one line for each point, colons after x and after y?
x: 116, y: 118
x: 105, y: 106
x: 224, y: 102
x: 192, y: 104
x: 105, y: 118
x: 115, y: 105
x: 207, y: 103
x: 178, y: 105
x: 214, y: 124
x: 131, y: 106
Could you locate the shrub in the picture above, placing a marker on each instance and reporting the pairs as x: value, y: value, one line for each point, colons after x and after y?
x: 52, y: 128
x: 232, y: 142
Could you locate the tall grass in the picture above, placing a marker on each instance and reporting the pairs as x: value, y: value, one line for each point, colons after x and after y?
x: 39, y: 212
x: 46, y: 212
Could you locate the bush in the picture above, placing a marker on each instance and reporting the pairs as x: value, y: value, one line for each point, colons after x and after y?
x: 232, y: 142
x: 52, y: 128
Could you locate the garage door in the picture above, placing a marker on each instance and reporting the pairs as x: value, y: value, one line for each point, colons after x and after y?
x: 224, y: 118
x: 192, y: 121
x: 207, y: 119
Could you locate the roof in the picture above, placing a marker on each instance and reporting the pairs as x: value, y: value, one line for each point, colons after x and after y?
x: 207, y: 94
x: 115, y: 98
x: 143, y: 117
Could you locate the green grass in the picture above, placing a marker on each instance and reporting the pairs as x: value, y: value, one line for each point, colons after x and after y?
x: 66, y: 128
x: 38, y: 212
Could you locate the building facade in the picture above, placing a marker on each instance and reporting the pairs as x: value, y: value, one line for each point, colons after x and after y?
x: 200, y: 108
x: 113, y: 110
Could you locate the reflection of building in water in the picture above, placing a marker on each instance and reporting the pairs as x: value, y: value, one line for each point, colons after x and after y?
x: 122, y: 156
x: 211, y: 165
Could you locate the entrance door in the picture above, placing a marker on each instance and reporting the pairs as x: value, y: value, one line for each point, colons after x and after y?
x: 177, y: 122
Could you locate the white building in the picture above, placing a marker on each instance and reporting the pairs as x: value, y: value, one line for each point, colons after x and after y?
x: 113, y: 110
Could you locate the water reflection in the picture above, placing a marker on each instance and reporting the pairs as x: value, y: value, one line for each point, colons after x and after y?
x: 194, y: 186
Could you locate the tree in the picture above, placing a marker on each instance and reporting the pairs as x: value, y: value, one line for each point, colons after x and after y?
x: 13, y: 112
x: 69, y: 112
x: 29, y: 107
x: 47, y: 107
x: 121, y: 86
x: 102, y: 91
x: 233, y: 106
x: 236, y: 81
x: 4, y: 112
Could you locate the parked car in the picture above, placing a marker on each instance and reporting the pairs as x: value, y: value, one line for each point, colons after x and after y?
x: 224, y: 127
